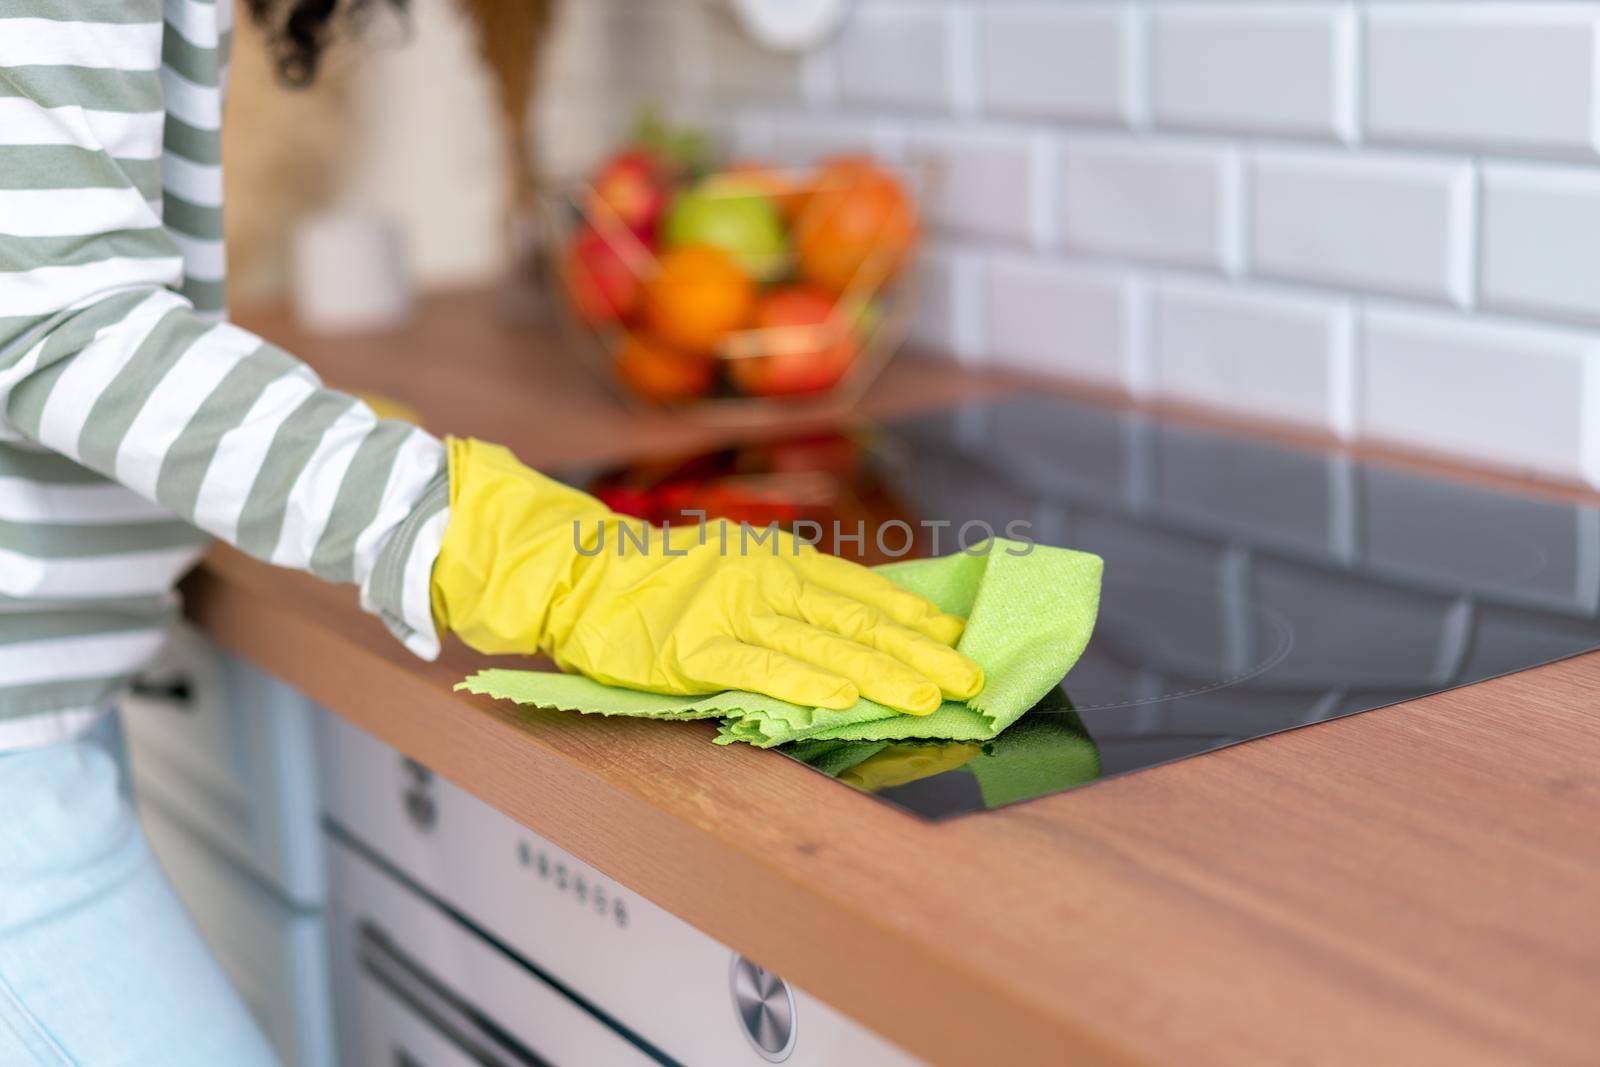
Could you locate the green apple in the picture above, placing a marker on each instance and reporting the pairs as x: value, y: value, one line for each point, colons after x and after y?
x: 732, y: 216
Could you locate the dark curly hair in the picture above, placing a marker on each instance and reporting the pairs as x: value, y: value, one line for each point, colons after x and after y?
x: 298, y: 31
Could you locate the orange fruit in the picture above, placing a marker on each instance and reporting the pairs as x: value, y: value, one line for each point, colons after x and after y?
x: 662, y: 375
x: 809, y: 345
x: 859, y: 220
x: 698, y: 294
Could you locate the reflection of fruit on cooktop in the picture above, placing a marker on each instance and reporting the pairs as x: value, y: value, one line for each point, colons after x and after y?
x: 829, y: 480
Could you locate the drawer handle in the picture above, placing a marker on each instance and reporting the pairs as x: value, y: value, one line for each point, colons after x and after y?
x: 438, y: 1005
x: 417, y: 796
x: 177, y: 690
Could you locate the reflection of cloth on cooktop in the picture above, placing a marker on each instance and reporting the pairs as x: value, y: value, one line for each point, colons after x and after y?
x: 1029, y: 617
x: 1045, y: 751
x: 1039, y: 754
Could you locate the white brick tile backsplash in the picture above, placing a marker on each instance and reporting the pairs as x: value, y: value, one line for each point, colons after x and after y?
x: 648, y: 48
x: 950, y: 292
x: 1513, y: 76
x: 1541, y: 240
x: 574, y: 137
x: 1269, y: 68
x: 1264, y: 353
x: 735, y: 67
x: 1249, y: 204
x: 1079, y: 62
x: 1171, y: 202
x: 801, y: 140
x: 1068, y: 319
x: 899, y: 55
x: 579, y: 57
x: 1379, y: 223
x: 1507, y: 394
x: 986, y: 183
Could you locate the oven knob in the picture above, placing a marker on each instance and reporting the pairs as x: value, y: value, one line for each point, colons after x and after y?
x: 764, y: 1004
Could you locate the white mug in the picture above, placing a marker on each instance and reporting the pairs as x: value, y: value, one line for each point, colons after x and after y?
x: 349, y: 273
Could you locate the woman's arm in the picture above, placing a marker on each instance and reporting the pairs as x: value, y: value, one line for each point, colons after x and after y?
x: 104, y: 357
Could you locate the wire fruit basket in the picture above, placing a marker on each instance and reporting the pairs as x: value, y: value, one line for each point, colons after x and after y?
x: 742, y: 293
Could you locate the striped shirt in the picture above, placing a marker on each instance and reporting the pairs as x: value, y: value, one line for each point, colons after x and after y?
x: 134, y: 420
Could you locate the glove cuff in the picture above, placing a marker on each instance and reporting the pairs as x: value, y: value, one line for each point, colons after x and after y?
x: 508, y: 550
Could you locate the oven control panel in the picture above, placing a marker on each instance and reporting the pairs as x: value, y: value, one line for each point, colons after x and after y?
x: 588, y: 892
x: 672, y: 989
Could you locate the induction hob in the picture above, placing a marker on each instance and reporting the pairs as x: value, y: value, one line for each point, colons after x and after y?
x: 1249, y: 589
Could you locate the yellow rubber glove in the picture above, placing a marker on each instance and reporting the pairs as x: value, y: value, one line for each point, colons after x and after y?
x: 696, y: 615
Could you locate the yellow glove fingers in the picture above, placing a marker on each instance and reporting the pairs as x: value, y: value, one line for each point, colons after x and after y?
x: 957, y: 677
x: 902, y: 605
x: 878, y: 676
x: 724, y: 663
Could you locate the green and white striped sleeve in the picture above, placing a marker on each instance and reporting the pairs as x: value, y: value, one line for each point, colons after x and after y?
x: 110, y: 234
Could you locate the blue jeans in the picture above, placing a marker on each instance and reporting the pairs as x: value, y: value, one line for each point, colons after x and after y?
x: 99, y: 964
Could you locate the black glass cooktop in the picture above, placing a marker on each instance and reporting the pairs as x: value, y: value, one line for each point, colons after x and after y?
x: 1248, y: 589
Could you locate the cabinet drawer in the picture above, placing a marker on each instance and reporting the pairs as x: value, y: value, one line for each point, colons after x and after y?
x: 228, y: 751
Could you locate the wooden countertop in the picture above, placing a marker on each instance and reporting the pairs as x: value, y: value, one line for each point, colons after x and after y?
x: 1415, y: 885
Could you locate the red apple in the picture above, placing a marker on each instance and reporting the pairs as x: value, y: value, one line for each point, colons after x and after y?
x: 629, y: 189
x: 602, y: 286
x: 809, y: 344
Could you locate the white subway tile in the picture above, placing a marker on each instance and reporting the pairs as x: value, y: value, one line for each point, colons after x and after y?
x: 1271, y: 68
x: 1263, y: 353
x: 802, y: 140
x: 1068, y: 319
x: 949, y: 295
x: 1541, y: 240
x: 736, y: 67
x: 575, y: 136
x: 1514, y: 76
x: 1376, y: 223
x: 1052, y: 62
x: 1176, y: 202
x: 579, y: 49
x: 1508, y: 394
x: 985, y: 183
x: 750, y: 134
x: 900, y: 55
x: 645, y: 47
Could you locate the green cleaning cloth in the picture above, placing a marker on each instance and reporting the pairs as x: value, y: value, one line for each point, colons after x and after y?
x: 1029, y: 611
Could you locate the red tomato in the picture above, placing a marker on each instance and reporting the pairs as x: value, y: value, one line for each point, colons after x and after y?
x: 810, y: 345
